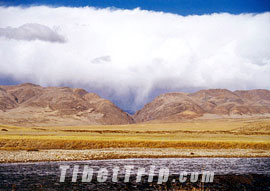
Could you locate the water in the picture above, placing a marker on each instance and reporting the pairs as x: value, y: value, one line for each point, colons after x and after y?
x: 230, y: 174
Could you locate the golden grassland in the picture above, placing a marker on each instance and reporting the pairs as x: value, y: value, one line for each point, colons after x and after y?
x: 196, y: 134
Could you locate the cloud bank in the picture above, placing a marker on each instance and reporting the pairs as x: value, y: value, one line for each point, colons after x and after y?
x: 31, y: 31
x: 129, y: 56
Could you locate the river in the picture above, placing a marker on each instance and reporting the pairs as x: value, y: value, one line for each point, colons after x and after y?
x: 229, y: 174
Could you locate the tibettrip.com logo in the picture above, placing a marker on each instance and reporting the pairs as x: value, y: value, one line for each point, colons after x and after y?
x: 102, y: 175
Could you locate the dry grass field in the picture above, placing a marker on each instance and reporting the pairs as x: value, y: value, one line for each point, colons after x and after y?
x: 195, y: 134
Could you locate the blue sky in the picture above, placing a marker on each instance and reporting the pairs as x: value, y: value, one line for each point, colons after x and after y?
x: 182, y: 7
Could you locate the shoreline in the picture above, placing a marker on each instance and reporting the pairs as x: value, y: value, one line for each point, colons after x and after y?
x: 54, y: 155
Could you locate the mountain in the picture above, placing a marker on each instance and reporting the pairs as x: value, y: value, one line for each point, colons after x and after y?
x: 213, y: 102
x: 30, y: 105
x: 33, y: 105
x: 167, y: 106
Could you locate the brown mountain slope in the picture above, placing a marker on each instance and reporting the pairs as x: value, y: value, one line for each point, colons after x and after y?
x: 220, y: 102
x: 259, y: 95
x: 7, y: 101
x: 29, y: 104
x: 33, y: 105
x: 168, y: 105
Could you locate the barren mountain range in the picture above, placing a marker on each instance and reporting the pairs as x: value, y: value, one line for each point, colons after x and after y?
x: 212, y: 103
x: 29, y: 104
x: 33, y: 105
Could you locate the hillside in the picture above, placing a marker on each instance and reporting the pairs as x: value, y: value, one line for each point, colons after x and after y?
x: 213, y: 102
x: 33, y: 105
x: 30, y: 105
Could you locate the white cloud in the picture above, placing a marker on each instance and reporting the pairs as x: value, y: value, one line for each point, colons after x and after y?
x: 31, y: 31
x: 102, y: 59
x: 130, y: 55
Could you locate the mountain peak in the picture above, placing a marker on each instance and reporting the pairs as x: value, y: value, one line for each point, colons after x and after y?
x: 219, y: 102
x: 29, y: 104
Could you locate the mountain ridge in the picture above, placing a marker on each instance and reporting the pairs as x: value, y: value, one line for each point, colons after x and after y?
x: 33, y: 105
x: 219, y: 102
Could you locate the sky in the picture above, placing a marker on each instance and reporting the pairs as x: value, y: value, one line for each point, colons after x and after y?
x: 131, y: 51
x: 182, y: 7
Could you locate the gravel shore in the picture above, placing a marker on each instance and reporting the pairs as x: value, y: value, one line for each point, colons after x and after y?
x: 7, y: 156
